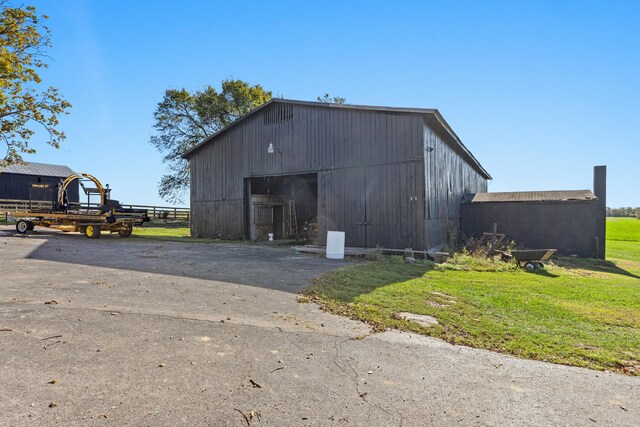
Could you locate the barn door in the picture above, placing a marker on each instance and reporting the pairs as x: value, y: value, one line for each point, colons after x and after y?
x: 262, y: 221
x: 376, y: 221
x: 342, y: 199
x: 394, y: 206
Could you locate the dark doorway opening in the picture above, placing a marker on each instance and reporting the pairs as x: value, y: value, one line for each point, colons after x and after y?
x: 281, y: 207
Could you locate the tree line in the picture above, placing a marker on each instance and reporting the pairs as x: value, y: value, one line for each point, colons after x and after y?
x: 620, y: 212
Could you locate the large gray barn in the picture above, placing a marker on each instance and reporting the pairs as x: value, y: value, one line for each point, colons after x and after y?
x: 390, y: 177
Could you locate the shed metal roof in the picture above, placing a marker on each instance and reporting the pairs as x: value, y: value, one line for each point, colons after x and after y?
x: 439, y: 121
x: 531, y: 196
x: 40, y: 169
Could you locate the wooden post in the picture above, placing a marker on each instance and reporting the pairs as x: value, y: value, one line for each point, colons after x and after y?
x: 493, y: 237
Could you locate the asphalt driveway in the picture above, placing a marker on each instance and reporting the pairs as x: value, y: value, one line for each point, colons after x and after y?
x: 131, y: 332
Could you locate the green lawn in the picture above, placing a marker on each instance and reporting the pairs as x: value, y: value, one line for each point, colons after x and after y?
x: 623, y: 229
x: 169, y: 232
x: 576, y: 312
x: 623, y: 239
x: 621, y: 250
x: 150, y: 231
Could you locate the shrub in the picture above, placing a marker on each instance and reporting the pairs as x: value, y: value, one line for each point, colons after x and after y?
x: 465, y: 260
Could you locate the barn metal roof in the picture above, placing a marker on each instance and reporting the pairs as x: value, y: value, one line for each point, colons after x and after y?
x: 40, y: 169
x: 531, y: 196
x: 434, y: 113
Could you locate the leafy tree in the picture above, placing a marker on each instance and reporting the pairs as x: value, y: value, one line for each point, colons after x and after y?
x: 183, y: 119
x: 328, y: 99
x: 24, y: 105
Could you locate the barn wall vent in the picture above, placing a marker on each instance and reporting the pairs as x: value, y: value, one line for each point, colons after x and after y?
x: 278, y: 113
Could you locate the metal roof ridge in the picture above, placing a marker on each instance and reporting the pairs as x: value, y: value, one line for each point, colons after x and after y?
x: 37, y: 168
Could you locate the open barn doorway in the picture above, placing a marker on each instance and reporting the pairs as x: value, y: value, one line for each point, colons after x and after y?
x: 281, y: 207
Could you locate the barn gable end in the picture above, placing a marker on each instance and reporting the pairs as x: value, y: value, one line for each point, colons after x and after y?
x: 356, y: 169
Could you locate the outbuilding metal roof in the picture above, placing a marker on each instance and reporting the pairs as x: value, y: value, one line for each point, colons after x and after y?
x: 531, y: 196
x: 40, y: 169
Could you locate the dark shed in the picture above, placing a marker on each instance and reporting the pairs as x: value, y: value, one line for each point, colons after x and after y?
x: 34, y: 181
x: 571, y: 221
x: 390, y: 177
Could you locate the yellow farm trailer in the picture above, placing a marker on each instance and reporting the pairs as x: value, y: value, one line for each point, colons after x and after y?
x: 108, y: 215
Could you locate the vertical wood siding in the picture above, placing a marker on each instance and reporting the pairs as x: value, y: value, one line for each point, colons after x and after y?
x: 448, y: 177
x: 370, y: 165
x: 15, y: 186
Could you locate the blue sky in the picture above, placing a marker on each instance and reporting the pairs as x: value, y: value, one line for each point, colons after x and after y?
x: 539, y: 91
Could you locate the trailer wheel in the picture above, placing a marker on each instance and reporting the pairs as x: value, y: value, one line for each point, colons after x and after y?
x: 92, y: 231
x: 530, y: 266
x: 125, y: 232
x: 22, y: 226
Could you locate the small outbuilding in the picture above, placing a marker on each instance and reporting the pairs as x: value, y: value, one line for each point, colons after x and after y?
x: 387, y: 177
x: 574, y: 222
x: 35, y: 182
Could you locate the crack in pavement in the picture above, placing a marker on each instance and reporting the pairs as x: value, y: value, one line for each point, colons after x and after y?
x: 355, y: 376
